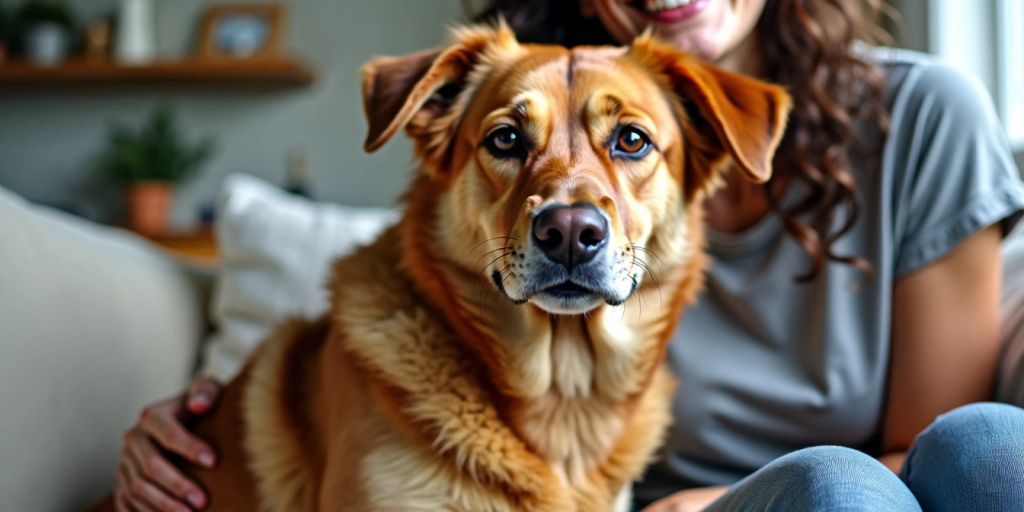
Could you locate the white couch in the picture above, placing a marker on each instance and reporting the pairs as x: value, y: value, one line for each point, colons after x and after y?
x: 95, y: 323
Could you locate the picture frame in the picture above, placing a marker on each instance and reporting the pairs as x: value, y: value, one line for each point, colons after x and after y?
x: 242, y: 32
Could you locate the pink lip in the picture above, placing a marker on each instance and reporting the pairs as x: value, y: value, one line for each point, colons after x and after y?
x: 678, y: 14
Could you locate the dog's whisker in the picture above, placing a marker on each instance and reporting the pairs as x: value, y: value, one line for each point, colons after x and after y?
x: 495, y: 260
x: 640, y: 307
x: 644, y: 265
x: 655, y: 258
x: 638, y: 261
x: 510, y: 274
x: 622, y: 314
x: 644, y: 249
x: 505, y: 248
x: 504, y: 242
x: 657, y: 286
x: 493, y: 239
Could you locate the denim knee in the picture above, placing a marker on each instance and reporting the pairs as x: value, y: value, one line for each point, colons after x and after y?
x: 825, y: 478
x: 971, y: 458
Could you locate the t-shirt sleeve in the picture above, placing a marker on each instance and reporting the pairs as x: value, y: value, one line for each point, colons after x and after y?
x: 954, y: 172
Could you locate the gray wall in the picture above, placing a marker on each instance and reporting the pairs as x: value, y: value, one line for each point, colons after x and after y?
x: 48, y: 137
x: 910, y: 26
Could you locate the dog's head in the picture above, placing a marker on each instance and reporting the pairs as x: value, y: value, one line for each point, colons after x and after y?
x: 566, y: 175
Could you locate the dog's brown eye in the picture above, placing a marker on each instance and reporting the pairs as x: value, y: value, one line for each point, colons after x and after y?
x: 631, y: 143
x: 505, y: 142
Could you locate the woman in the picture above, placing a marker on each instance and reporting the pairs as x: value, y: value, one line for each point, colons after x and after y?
x: 851, y: 313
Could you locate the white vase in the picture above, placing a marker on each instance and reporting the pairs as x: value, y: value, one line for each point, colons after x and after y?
x: 136, y: 35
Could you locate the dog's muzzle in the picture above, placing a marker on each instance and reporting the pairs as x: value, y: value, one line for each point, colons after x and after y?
x: 570, y: 264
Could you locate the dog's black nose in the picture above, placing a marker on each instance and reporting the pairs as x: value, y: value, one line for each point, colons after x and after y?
x: 570, y: 234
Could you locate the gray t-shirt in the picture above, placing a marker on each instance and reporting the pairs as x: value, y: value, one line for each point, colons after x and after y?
x: 767, y: 365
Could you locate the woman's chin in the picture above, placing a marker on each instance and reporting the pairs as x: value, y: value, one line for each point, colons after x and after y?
x: 706, y: 48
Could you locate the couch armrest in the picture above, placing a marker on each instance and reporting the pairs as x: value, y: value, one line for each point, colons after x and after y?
x: 94, y: 323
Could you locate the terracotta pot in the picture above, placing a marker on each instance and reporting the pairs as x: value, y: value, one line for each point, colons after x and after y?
x: 149, y: 204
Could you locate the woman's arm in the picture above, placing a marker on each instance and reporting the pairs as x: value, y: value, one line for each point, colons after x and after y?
x: 945, y: 340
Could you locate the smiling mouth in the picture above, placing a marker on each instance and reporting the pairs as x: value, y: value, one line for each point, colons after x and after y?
x: 669, y: 10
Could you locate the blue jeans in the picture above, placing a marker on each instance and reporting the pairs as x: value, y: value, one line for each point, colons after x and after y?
x: 970, y: 459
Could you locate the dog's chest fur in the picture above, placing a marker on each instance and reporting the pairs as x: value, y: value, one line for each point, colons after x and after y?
x: 436, y: 439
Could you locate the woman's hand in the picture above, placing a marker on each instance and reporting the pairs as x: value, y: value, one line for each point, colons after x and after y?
x: 690, y: 500
x: 146, y: 480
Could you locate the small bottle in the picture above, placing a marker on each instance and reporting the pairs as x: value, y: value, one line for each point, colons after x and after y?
x: 298, y: 176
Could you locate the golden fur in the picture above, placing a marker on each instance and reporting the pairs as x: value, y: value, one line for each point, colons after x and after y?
x: 424, y: 388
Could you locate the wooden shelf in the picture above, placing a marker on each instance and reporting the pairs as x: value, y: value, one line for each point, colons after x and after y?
x: 197, y: 247
x: 276, y: 72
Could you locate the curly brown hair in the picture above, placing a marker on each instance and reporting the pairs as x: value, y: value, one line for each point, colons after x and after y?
x: 808, y: 46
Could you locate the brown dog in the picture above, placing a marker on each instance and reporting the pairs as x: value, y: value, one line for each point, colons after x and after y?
x: 501, y: 348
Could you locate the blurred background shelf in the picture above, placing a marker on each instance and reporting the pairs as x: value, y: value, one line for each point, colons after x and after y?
x: 276, y: 73
x: 197, y: 247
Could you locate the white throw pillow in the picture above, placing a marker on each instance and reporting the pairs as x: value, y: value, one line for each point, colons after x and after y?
x: 276, y: 250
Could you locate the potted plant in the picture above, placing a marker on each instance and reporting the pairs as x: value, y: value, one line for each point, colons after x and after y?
x: 43, y: 29
x: 149, y: 163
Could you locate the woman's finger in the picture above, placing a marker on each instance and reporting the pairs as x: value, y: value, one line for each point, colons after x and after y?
x: 161, y: 472
x: 120, y: 504
x: 140, y: 506
x: 146, y: 497
x: 202, y: 395
x: 162, y: 424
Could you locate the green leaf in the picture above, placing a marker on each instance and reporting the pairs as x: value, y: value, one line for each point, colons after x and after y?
x: 155, y: 152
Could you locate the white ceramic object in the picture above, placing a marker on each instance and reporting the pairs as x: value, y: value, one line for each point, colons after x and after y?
x: 136, y: 33
x: 46, y: 44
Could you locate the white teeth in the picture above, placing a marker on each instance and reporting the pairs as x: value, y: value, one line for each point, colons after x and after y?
x: 664, y: 5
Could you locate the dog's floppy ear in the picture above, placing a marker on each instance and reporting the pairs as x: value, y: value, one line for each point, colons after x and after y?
x: 388, y: 84
x: 747, y: 116
x: 396, y: 89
